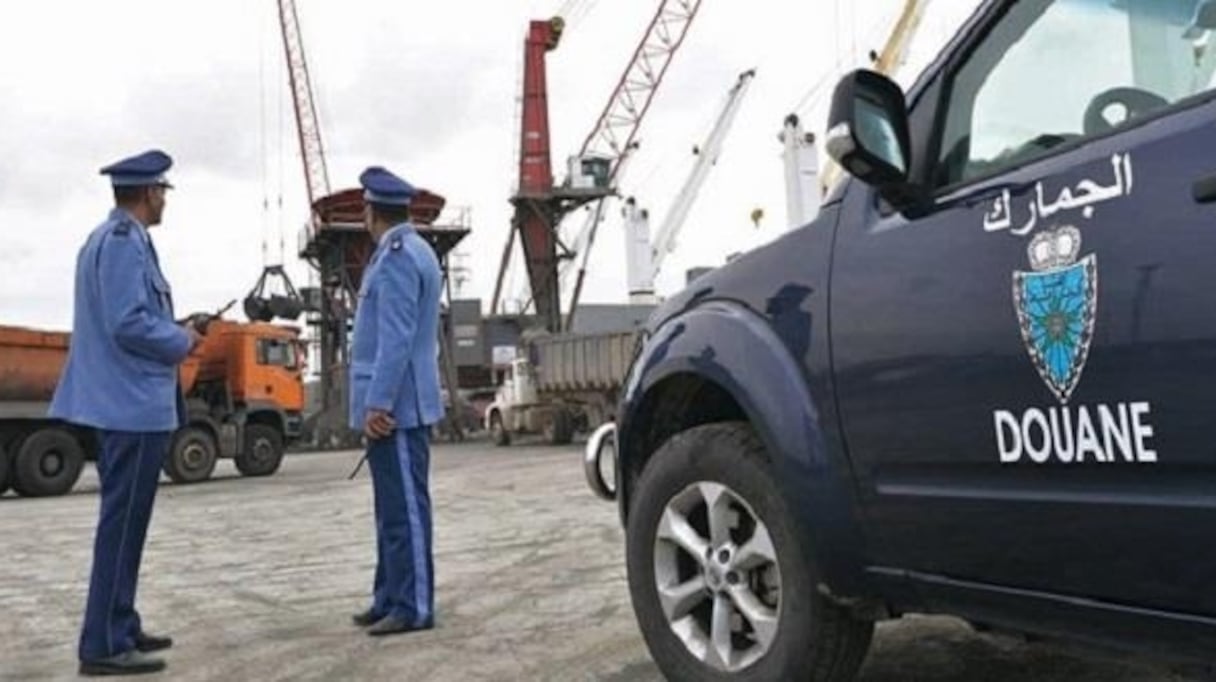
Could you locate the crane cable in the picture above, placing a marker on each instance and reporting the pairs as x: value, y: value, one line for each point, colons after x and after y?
x: 814, y: 95
x: 580, y: 13
x: 272, y: 220
x: 282, y: 99
x: 678, y: 156
x: 272, y: 225
x: 263, y: 141
x: 574, y: 9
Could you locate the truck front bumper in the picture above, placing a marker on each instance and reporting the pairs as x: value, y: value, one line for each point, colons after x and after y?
x: 293, y: 424
x: 602, y: 443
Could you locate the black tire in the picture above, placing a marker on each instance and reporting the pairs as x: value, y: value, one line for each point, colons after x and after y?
x: 47, y: 463
x: 560, y: 429
x: 6, y: 468
x: 498, y: 430
x: 191, y: 456
x: 262, y: 452
x: 814, y: 640
x: 9, y: 442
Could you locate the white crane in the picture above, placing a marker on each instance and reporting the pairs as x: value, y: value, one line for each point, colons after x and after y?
x: 802, y: 192
x: 639, y: 254
x: 644, y: 259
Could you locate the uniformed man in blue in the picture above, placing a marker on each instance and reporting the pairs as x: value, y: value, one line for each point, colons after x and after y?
x: 395, y: 398
x: 121, y: 380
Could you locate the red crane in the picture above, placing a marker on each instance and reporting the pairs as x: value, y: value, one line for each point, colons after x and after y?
x: 308, y: 126
x: 539, y: 205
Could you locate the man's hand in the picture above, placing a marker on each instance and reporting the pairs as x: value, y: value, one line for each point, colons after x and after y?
x: 200, y: 322
x: 195, y: 337
x: 379, y: 424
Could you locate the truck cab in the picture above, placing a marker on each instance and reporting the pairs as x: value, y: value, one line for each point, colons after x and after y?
x: 977, y: 384
x: 511, y: 410
x: 244, y: 392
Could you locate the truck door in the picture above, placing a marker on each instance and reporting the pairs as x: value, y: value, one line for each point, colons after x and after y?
x: 1026, y: 370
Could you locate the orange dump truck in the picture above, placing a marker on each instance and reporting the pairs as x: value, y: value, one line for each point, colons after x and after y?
x: 244, y: 393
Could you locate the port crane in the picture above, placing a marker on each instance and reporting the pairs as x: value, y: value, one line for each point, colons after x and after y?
x: 540, y: 204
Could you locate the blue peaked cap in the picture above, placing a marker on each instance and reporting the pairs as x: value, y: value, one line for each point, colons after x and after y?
x: 142, y: 169
x: 382, y: 187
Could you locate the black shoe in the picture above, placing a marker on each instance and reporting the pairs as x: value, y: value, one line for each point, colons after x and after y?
x: 365, y: 619
x: 145, y: 643
x: 390, y: 625
x: 126, y: 663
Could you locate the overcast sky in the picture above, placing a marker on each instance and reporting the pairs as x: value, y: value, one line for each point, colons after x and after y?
x: 426, y: 89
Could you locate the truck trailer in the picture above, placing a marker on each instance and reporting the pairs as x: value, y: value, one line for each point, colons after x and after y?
x: 561, y: 385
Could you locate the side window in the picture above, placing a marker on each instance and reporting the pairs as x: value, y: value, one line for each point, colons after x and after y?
x: 1053, y: 71
x: 276, y: 353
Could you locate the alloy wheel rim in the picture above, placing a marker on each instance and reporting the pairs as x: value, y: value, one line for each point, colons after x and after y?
x: 717, y: 577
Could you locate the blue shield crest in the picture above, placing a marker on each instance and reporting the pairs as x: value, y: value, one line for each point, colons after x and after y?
x: 1056, y: 309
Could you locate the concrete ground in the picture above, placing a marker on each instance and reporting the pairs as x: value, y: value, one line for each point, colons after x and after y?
x: 256, y: 580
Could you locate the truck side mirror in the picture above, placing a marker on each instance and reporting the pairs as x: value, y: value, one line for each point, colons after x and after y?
x: 1203, y: 21
x: 868, y: 135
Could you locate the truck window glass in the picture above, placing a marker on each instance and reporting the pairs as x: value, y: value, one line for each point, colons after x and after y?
x: 276, y: 353
x: 1051, y: 67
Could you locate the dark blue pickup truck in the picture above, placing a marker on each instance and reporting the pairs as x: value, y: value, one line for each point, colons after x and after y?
x: 981, y: 383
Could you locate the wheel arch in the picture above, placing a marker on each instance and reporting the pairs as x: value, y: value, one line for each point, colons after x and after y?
x: 494, y: 410
x: 722, y: 362
x: 13, y: 432
x: 203, y: 423
x: 266, y: 415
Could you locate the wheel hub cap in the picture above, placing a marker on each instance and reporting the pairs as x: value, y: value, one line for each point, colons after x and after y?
x: 716, y: 569
x: 52, y: 464
x: 193, y: 456
x: 717, y: 577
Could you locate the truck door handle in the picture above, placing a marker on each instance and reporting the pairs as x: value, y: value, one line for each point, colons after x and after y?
x: 1204, y: 189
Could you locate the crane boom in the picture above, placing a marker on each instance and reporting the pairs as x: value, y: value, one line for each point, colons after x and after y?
x: 618, y: 125
x: 710, y: 150
x: 308, y: 126
x: 896, y: 49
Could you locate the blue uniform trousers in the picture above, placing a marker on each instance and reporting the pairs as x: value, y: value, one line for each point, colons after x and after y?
x: 404, y: 585
x: 129, y: 465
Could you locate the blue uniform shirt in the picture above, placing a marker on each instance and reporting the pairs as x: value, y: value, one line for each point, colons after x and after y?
x: 121, y: 371
x: 395, y: 351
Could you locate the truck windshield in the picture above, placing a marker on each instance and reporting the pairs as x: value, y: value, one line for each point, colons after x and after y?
x: 1054, y: 71
x: 277, y: 353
